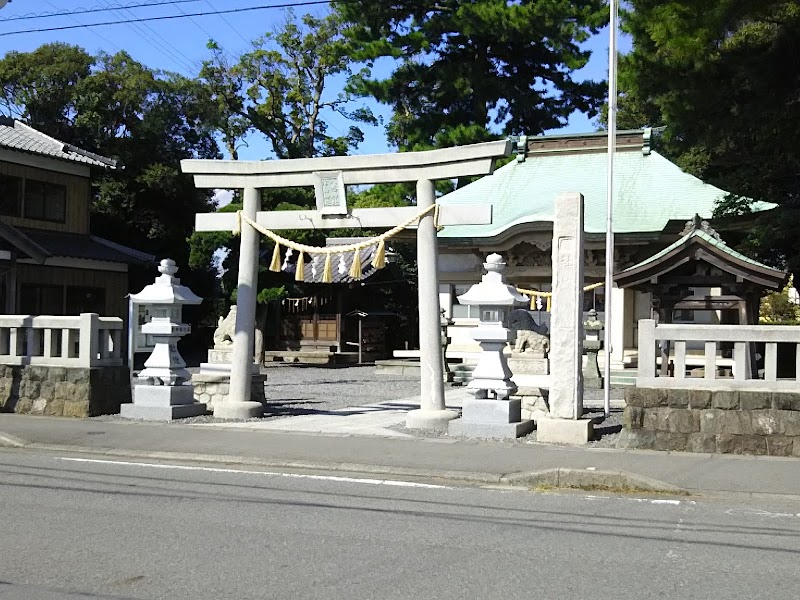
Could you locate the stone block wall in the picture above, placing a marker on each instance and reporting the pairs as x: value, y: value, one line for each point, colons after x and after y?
x: 63, y: 391
x: 214, y: 387
x: 736, y: 422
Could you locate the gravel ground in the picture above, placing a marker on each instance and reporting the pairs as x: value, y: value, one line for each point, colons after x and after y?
x: 293, y: 390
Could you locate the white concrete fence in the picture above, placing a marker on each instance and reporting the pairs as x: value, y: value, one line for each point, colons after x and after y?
x: 652, y: 336
x: 88, y: 340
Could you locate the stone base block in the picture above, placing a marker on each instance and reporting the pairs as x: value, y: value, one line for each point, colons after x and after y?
x: 564, y: 431
x: 494, y: 431
x: 163, y: 395
x: 435, y: 420
x: 162, y: 413
x: 220, y: 354
x: 523, y: 365
x: 492, y: 411
x: 224, y: 368
x: 238, y: 410
x: 213, y: 387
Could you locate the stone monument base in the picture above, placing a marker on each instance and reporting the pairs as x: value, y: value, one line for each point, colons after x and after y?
x: 521, y: 364
x: 564, y: 431
x: 490, y: 419
x: 162, y: 403
x: 213, y: 386
x: 435, y: 420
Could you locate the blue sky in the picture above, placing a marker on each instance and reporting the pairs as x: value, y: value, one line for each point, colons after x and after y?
x: 180, y: 44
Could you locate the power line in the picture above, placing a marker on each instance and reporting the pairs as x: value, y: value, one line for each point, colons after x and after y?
x: 105, y: 39
x: 196, y: 24
x: 236, y: 31
x: 85, y: 11
x: 139, y: 30
x: 168, y: 17
x: 166, y: 43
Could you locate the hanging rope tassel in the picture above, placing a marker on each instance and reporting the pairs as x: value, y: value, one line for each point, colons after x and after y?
x: 327, y: 272
x: 379, y: 261
x: 237, y: 228
x: 355, y: 268
x: 300, y: 272
x: 275, y: 265
x: 549, y: 303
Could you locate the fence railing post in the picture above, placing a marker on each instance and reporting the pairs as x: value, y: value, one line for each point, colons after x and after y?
x: 647, y: 348
x: 90, y: 324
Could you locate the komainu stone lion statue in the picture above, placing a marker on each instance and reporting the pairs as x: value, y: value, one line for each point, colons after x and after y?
x: 223, y: 334
x: 530, y: 337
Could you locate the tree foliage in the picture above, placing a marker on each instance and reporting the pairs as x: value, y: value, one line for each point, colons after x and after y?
x: 722, y: 76
x: 281, y: 89
x: 117, y: 107
x: 469, y: 70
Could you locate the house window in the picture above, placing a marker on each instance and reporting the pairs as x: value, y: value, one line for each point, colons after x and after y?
x: 85, y: 300
x: 45, y: 201
x: 10, y: 196
x: 37, y: 299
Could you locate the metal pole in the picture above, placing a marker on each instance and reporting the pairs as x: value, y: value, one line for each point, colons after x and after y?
x: 612, y: 142
x: 131, y: 334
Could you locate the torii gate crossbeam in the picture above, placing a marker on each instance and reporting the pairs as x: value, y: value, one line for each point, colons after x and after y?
x: 421, y: 167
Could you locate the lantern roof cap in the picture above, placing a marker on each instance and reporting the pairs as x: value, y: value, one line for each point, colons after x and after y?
x: 492, y: 290
x: 167, y: 288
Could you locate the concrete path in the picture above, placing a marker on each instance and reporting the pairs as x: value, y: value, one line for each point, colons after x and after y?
x: 378, y: 418
x: 369, y: 419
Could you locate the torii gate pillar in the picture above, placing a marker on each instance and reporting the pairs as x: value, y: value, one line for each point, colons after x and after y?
x: 421, y: 167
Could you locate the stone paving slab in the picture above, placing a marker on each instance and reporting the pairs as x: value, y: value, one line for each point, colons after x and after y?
x: 369, y: 419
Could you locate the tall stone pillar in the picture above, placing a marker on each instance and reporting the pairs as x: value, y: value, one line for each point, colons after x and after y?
x: 238, y: 404
x: 618, y: 324
x: 431, y: 413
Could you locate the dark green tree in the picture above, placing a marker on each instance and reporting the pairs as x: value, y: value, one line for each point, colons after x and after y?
x: 470, y: 70
x: 148, y: 120
x: 722, y: 76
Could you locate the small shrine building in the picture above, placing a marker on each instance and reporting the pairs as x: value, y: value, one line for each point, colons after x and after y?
x: 666, y: 258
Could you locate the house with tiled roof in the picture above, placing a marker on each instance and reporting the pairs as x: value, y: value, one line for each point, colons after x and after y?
x: 653, y: 202
x: 50, y: 263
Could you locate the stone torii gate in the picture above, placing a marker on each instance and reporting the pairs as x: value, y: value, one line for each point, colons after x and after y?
x: 329, y: 175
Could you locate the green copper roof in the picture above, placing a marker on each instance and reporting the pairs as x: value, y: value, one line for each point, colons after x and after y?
x: 717, y: 243
x: 649, y: 191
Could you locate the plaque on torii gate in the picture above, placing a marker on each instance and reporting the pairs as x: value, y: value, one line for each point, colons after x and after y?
x: 329, y: 176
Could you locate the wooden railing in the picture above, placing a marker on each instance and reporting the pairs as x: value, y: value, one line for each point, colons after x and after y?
x: 655, y: 340
x: 88, y: 340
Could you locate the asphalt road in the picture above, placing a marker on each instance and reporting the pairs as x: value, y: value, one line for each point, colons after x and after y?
x: 100, y: 529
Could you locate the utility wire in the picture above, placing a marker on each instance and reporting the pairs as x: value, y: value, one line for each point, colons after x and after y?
x: 192, y: 64
x: 168, y: 17
x: 105, y: 39
x: 236, y: 31
x: 85, y: 11
x: 139, y: 30
x: 200, y: 27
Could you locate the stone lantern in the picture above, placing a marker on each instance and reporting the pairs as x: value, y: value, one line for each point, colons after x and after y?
x: 592, y: 345
x: 492, y: 413
x: 163, y: 390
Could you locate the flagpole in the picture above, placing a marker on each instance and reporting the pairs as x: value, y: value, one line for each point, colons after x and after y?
x: 612, y: 142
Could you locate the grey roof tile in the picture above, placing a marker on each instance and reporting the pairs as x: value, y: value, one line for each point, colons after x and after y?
x: 16, y: 135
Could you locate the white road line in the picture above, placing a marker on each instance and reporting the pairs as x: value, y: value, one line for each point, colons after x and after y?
x: 646, y: 500
x: 388, y: 482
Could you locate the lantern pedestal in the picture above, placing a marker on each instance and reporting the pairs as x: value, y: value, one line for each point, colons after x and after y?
x: 497, y: 419
x: 492, y: 414
x: 162, y: 403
